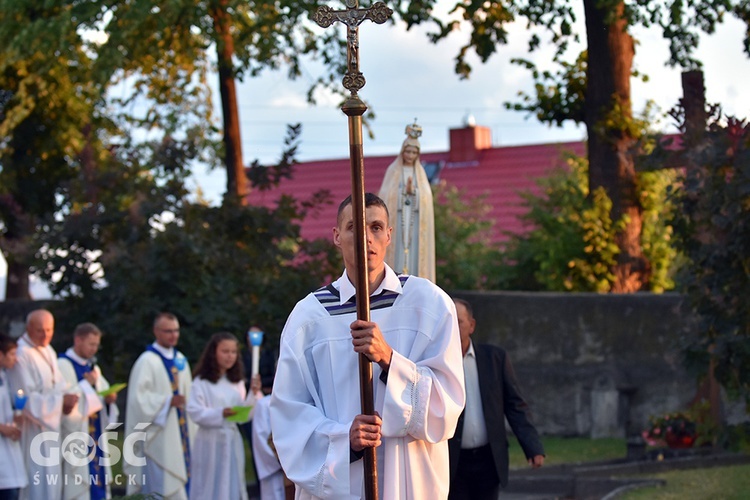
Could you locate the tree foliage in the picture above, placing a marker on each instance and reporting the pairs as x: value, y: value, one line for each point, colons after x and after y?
x: 87, y: 77
x: 593, y: 89
x: 464, y: 253
x: 571, y: 240
x: 144, y: 248
x: 49, y: 124
x: 570, y: 245
x: 712, y: 227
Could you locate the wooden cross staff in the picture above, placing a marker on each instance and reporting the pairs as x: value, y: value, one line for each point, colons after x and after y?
x: 354, y: 108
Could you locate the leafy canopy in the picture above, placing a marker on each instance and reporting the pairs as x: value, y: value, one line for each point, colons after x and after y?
x: 570, y: 244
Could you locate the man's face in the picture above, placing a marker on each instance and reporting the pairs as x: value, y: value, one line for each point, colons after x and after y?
x: 167, y: 332
x: 378, y: 237
x: 466, y: 326
x: 87, y: 346
x: 41, y: 328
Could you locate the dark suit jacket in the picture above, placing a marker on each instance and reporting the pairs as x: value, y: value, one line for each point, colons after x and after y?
x: 501, y: 398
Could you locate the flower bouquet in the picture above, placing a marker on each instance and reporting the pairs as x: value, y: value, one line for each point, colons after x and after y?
x: 676, y: 430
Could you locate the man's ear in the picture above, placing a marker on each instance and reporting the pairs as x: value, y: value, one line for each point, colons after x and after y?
x: 336, y: 237
x: 390, y: 230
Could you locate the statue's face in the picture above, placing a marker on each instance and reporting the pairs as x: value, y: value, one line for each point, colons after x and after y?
x: 409, y: 156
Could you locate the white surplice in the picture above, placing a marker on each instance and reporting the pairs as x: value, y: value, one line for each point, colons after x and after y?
x: 12, y: 467
x: 36, y: 372
x: 270, y: 475
x: 218, y: 461
x: 76, y: 484
x: 316, y: 394
x: 149, y: 396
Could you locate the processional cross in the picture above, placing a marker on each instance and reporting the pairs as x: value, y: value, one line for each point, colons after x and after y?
x: 354, y: 108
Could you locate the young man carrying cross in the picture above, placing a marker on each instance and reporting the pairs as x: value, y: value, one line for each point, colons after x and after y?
x: 414, y: 344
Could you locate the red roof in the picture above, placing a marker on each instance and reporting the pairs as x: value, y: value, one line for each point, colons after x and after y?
x: 499, y: 173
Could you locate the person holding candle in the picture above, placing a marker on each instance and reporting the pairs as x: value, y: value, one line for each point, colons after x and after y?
x: 158, y: 388
x: 91, y: 415
x: 37, y: 374
x: 218, y: 463
x: 12, y: 470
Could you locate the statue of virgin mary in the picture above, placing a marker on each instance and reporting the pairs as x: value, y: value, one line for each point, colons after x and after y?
x: 408, y: 195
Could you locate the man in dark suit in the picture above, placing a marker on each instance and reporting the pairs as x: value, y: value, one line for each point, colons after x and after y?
x: 479, y: 448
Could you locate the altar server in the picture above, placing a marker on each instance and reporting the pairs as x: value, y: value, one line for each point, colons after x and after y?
x: 12, y: 468
x: 218, y: 464
x: 414, y: 345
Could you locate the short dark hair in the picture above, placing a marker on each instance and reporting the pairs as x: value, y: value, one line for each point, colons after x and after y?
x: 466, y: 304
x: 371, y: 200
x: 85, y: 329
x: 7, y: 343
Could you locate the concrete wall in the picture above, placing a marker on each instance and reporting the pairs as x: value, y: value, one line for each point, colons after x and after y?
x: 590, y: 364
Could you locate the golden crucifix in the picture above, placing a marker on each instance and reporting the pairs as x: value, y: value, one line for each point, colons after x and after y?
x: 354, y: 108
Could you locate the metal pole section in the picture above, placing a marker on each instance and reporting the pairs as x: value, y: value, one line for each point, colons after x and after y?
x: 354, y: 108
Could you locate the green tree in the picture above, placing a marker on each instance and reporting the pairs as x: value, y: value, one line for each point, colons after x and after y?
x: 571, y: 244
x: 62, y: 120
x: 464, y: 252
x: 712, y: 227
x: 144, y: 248
x: 49, y: 125
x: 166, y: 51
x: 595, y: 89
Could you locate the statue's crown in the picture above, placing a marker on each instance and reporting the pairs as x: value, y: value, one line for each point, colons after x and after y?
x: 414, y: 130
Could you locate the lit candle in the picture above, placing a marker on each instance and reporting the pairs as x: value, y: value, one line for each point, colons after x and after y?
x: 255, y: 337
x: 19, y: 401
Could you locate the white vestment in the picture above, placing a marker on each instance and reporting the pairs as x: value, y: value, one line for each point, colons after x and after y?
x: 149, y: 396
x: 218, y: 452
x: 412, y: 219
x: 270, y: 475
x: 316, y: 393
x: 36, y: 372
x: 12, y: 467
x: 77, y: 480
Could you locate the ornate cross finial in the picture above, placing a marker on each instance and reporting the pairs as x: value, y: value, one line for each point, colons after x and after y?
x: 352, y: 17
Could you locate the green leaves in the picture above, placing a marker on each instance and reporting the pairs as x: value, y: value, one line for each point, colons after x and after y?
x: 571, y: 245
x: 713, y: 230
x: 464, y: 254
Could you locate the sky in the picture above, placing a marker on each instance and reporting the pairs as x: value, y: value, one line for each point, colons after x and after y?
x: 408, y: 77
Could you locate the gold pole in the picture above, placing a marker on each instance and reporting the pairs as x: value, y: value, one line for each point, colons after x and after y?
x: 354, y: 108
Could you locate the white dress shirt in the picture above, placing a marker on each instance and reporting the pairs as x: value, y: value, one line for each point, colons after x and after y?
x: 474, y: 430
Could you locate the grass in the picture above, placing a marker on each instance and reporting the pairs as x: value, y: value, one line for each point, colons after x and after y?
x: 560, y: 450
x: 727, y: 483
